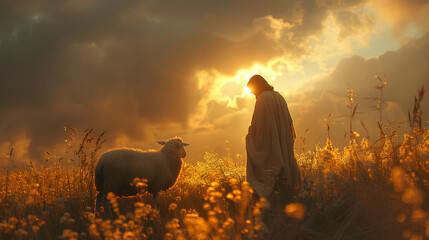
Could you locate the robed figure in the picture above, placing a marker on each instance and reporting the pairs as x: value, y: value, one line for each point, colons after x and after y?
x: 272, y: 169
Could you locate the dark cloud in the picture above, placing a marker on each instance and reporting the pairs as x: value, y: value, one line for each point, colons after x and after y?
x: 105, y: 64
x: 128, y: 66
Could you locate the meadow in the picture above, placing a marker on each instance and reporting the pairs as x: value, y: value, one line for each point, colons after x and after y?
x: 367, y: 190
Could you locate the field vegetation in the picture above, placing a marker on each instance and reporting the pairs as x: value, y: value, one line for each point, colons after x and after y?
x: 367, y: 190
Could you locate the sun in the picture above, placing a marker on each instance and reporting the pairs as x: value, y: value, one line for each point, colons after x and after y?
x: 247, y: 91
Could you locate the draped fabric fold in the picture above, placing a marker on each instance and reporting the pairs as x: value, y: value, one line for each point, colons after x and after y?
x: 269, y: 146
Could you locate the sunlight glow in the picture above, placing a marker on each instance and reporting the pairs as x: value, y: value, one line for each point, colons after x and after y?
x: 247, y: 91
x: 228, y: 88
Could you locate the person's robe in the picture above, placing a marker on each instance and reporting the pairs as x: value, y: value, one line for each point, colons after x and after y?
x: 269, y: 146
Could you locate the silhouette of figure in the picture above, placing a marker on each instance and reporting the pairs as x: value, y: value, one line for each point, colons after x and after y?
x: 271, y: 169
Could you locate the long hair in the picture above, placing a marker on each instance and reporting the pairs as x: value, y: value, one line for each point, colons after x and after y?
x: 259, y: 84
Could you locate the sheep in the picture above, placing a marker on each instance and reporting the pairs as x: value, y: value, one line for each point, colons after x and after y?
x: 116, y: 169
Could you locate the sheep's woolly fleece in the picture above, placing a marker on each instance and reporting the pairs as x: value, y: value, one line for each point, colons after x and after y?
x: 117, y: 169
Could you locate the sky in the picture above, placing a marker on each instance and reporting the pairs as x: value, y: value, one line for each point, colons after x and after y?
x: 148, y: 70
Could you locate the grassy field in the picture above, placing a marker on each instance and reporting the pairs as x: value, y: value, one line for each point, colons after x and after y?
x: 368, y: 190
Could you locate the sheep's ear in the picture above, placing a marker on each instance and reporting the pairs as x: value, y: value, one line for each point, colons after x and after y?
x: 183, y: 144
x: 161, y: 142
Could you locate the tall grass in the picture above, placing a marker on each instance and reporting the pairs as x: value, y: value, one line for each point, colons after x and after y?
x: 365, y: 191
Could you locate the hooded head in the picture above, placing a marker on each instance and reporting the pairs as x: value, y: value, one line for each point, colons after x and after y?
x: 257, y: 84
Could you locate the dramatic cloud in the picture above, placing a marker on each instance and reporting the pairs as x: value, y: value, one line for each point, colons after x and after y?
x: 405, y: 71
x: 354, y: 21
x: 107, y: 65
x: 144, y: 70
x: 402, y: 13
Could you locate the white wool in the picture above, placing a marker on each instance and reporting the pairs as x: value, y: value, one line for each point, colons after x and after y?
x: 117, y: 168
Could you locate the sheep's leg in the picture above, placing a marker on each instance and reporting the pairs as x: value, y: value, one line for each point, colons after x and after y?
x: 107, y: 209
x: 98, y: 202
x: 155, y: 197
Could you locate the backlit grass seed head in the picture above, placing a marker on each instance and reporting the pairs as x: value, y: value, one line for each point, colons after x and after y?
x: 228, y: 224
x: 418, y: 215
x: 118, y: 222
x: 211, y: 213
x: 214, y: 196
x: 233, y: 182
x: 245, y: 186
x: 351, y: 96
x: 35, y: 229
x: 147, y: 209
x: 141, y: 185
x: 218, y: 210
x: 129, y: 236
x: 206, y: 206
x: 412, y: 196
x: 197, y: 226
x: 258, y: 227
x: 131, y: 223
x: 172, y: 207
x: 296, y: 210
x: 235, y: 195
x: 236, y: 192
x: 117, y: 235
x: 261, y: 203
x: 221, y: 234
x: 91, y: 217
x: 69, y: 235
x: 213, y: 222
x: 93, y: 231
x: 257, y: 211
x: 172, y: 225
x: 106, y: 226
x: 98, y: 221
x: 33, y: 195
x: 139, y: 205
x: 110, y: 196
x: 13, y: 221
x: 168, y: 236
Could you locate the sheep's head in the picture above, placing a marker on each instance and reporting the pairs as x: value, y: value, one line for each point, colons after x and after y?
x: 177, y: 144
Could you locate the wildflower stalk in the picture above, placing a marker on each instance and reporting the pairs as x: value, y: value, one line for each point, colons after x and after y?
x: 328, y: 125
x: 243, y: 207
x: 416, y: 120
x: 7, y: 175
x: 352, y: 106
x: 380, y: 101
